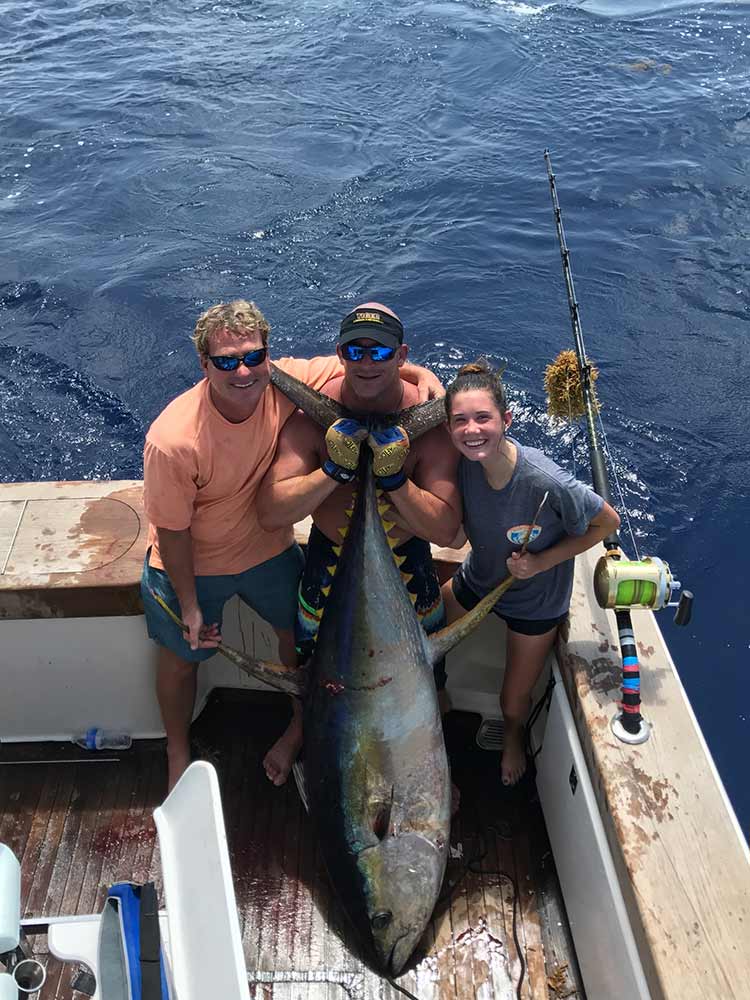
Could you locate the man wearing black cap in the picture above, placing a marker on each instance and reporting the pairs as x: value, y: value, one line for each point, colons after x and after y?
x: 312, y: 474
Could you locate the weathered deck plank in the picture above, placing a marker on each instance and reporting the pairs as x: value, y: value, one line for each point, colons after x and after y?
x: 94, y: 877
x: 561, y: 966
x: 530, y: 920
x: 59, y: 978
x: 499, y: 918
x: 25, y: 819
x: 53, y: 844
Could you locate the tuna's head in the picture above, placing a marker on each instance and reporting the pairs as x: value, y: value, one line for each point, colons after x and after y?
x: 403, y: 875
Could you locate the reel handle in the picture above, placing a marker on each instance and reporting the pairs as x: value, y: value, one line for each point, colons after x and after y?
x: 684, y: 611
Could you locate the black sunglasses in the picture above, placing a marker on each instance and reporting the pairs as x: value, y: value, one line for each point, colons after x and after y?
x: 230, y: 362
x: 354, y: 352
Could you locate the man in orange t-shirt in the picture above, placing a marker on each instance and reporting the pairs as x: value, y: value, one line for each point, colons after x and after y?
x: 204, y: 458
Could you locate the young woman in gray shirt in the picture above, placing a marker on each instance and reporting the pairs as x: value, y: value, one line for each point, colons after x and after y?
x: 502, y: 484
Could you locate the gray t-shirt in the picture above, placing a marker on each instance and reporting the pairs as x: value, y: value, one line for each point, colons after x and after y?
x: 495, y: 523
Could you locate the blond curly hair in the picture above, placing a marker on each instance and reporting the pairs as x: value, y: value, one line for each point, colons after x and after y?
x: 240, y: 317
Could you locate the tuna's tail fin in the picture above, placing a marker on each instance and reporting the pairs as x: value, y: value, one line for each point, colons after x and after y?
x: 320, y: 408
x: 292, y: 680
x: 416, y: 420
x: 419, y: 419
x: 289, y: 679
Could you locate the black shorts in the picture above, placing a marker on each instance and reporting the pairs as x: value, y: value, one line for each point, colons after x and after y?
x: 524, y: 626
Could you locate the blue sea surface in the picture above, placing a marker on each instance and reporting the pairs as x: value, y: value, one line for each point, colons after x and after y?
x: 157, y: 157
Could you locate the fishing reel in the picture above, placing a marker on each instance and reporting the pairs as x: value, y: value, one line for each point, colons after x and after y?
x: 622, y: 584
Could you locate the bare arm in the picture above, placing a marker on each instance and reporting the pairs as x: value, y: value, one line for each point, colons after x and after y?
x: 176, y: 551
x: 429, y: 501
x: 528, y: 565
x: 295, y: 485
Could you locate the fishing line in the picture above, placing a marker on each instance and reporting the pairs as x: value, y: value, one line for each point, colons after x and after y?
x: 473, y: 865
x: 499, y: 873
x: 242, y: 630
x: 575, y: 436
x: 613, y: 471
x: 543, y: 702
x: 401, y: 989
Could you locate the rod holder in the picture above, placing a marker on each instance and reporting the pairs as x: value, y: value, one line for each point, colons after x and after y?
x: 639, y: 736
x: 29, y: 975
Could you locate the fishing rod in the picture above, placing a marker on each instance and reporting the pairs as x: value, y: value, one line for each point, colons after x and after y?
x: 619, y: 584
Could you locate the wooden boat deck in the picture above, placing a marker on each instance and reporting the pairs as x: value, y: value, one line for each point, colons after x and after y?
x: 79, y: 822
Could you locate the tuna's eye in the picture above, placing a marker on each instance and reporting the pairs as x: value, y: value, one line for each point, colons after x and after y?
x: 381, y: 920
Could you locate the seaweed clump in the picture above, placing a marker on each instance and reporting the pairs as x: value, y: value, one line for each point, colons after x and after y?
x: 562, y: 383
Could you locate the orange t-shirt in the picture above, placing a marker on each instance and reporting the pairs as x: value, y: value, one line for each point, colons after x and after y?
x: 202, y: 472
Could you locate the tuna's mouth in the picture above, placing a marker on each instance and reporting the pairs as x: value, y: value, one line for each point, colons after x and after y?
x: 396, y: 962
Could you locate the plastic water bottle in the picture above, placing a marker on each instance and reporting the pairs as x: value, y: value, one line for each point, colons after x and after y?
x: 102, y: 739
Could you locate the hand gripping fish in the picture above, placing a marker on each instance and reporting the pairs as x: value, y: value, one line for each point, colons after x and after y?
x: 376, y: 770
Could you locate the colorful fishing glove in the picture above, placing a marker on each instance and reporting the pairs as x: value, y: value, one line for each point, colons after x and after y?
x: 343, y: 439
x: 390, y: 446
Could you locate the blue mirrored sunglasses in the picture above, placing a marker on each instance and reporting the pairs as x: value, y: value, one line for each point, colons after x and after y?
x: 354, y: 352
x: 230, y: 362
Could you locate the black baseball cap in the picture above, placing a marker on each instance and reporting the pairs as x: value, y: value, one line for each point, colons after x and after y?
x: 371, y: 323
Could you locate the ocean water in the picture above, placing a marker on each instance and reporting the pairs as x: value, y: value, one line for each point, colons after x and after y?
x: 157, y: 157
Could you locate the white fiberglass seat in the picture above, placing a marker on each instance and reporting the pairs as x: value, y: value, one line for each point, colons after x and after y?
x: 8, y: 989
x: 10, y: 900
x: 205, y: 944
x: 200, y: 930
x: 10, y: 915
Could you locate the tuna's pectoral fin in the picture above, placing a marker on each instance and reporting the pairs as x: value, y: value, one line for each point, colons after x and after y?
x: 320, y: 408
x: 442, y: 642
x: 289, y: 679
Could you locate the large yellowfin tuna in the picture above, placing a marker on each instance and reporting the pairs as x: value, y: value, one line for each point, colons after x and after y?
x: 376, y: 772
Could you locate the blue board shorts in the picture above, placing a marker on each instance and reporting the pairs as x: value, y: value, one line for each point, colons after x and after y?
x: 269, y: 588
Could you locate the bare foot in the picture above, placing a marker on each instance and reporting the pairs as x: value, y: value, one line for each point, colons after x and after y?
x: 178, y: 761
x: 279, y: 759
x: 513, y: 762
